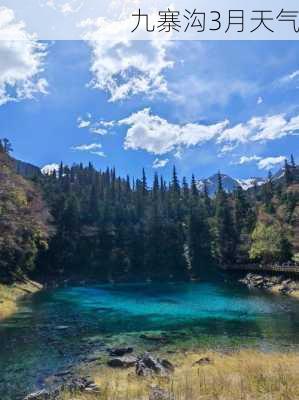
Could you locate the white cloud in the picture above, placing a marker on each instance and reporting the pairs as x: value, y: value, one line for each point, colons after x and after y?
x: 260, y: 129
x: 50, y: 168
x: 70, y: 7
x: 259, y: 100
x: 107, y: 124
x: 92, y: 148
x: 98, y: 130
x: 21, y: 58
x: 87, y: 147
x: 158, y: 163
x: 83, y: 123
x: 270, y: 162
x: 294, y: 75
x: 269, y: 128
x: 66, y: 8
x: 239, y: 133
x: 158, y: 136
x: 290, y: 77
x: 227, y: 148
x: 123, y: 67
x: 98, y: 153
x: 248, y: 159
x: 293, y: 124
x: 94, y: 127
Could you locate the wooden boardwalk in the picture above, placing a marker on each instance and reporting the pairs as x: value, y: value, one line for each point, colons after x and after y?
x: 289, y: 269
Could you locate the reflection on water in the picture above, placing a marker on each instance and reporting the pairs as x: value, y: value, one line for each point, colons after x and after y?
x: 55, y: 328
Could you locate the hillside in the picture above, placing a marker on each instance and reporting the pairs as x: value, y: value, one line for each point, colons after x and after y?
x: 23, y: 222
x: 25, y: 169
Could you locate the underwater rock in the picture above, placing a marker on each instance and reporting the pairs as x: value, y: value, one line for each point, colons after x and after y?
x: 120, y: 351
x: 61, y: 327
x: 63, y: 373
x: 152, y: 338
x: 122, y: 362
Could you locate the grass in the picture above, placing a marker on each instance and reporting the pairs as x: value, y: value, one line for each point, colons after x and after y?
x: 244, y: 375
x: 10, y: 294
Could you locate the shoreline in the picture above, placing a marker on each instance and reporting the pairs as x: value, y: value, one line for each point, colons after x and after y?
x: 276, y: 284
x: 11, y: 294
x: 208, y: 375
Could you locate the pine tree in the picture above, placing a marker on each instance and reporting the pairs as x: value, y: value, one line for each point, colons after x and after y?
x: 199, y: 240
x: 225, y: 235
x: 175, y: 185
x: 244, y: 221
x: 185, y: 188
x: 144, y: 184
x: 194, y: 189
x: 6, y: 146
x: 60, y: 171
x: 287, y: 173
x: 207, y: 200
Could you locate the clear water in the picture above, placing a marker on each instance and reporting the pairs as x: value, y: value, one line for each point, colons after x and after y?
x: 54, y: 329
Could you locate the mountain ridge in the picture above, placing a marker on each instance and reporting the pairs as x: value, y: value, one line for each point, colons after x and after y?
x: 229, y: 184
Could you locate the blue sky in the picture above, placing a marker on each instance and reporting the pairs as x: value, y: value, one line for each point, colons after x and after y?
x: 203, y: 106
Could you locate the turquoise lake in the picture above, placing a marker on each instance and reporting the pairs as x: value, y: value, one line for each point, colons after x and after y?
x: 58, y: 328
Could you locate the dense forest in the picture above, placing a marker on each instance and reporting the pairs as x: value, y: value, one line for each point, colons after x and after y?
x: 80, y: 222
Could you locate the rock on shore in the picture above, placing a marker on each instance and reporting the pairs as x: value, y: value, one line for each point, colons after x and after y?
x: 144, y: 365
x: 147, y: 365
x: 277, y: 284
x: 84, y: 385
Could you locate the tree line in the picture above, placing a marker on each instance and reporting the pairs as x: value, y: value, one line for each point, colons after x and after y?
x: 114, y: 228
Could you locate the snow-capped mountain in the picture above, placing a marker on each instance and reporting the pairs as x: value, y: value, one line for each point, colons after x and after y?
x: 249, y: 183
x: 49, y: 169
x: 229, y: 183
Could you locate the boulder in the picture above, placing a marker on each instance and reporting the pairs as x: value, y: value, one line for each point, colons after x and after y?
x: 92, y: 388
x: 203, y: 361
x: 122, y: 362
x: 79, y: 384
x: 147, y: 365
x: 273, y: 283
x: 167, y: 365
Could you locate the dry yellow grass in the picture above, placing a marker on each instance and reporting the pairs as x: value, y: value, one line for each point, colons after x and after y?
x: 9, y: 296
x: 244, y: 375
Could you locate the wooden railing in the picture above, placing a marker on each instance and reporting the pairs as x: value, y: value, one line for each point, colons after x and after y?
x: 286, y: 268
